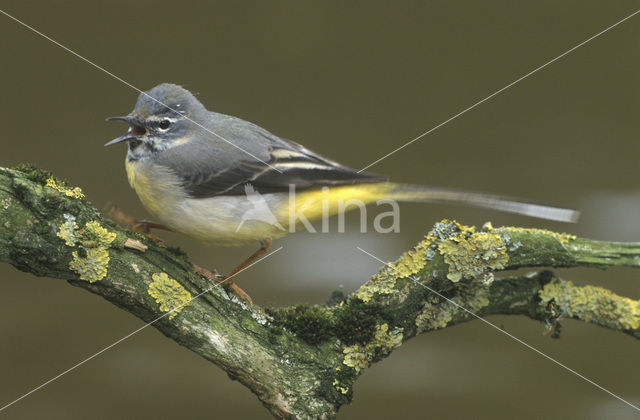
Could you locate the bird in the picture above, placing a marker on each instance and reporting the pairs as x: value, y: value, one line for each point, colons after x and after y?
x: 260, y: 210
x: 227, y: 181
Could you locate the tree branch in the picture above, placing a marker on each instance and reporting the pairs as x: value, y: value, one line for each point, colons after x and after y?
x: 302, y: 361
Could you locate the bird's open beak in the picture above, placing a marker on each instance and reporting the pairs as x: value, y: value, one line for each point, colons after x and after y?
x: 126, y: 119
x: 135, y: 130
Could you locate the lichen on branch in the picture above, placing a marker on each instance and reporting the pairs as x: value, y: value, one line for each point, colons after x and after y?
x: 303, y: 361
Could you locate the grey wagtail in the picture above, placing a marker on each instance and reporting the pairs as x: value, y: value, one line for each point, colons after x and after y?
x: 194, y: 170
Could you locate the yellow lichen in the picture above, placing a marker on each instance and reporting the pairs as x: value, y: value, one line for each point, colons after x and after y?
x: 98, y: 236
x: 475, y: 297
x: 470, y: 254
x: 437, y: 313
x: 93, y: 267
x: 357, y: 357
x: 67, y: 230
x: 380, y: 284
x: 69, y: 192
x: 383, y: 283
x: 343, y: 390
x: 169, y: 294
x: 94, y: 240
x: 592, y: 304
x: 563, y: 238
x: 360, y: 356
x: 385, y: 339
x: 412, y: 261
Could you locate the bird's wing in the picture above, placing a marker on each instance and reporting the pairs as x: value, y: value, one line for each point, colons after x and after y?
x: 269, y: 163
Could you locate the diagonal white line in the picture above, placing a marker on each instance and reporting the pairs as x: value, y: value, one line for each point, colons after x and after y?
x: 128, y: 335
x: 507, y: 334
x: 500, y: 90
x: 86, y: 60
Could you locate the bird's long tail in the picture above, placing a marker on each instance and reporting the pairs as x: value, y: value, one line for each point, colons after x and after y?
x: 419, y: 193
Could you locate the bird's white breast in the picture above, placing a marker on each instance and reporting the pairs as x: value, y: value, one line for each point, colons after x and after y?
x: 221, y: 220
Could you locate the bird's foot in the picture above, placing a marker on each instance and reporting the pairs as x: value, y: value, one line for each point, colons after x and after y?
x: 220, y: 280
x: 138, y: 225
x: 227, y: 281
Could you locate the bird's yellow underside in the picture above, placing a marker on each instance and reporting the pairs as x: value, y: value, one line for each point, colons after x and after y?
x: 216, y: 220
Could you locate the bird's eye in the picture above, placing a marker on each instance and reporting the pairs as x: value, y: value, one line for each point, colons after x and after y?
x: 164, y: 124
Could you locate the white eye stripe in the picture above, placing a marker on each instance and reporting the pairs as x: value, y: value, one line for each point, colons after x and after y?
x: 160, y: 119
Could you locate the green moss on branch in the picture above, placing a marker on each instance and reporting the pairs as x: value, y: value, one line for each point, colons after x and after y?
x: 303, y: 361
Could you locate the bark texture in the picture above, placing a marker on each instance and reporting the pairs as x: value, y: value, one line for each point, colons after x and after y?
x: 302, y: 361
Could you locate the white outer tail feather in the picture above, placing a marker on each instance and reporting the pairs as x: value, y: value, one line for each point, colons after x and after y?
x: 402, y: 192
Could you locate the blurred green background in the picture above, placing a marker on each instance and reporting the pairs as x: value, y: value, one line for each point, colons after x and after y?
x: 352, y: 81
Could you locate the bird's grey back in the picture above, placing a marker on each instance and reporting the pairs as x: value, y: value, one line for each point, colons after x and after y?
x: 219, y: 153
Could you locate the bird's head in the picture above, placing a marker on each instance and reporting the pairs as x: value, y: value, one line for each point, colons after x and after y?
x: 163, y: 117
